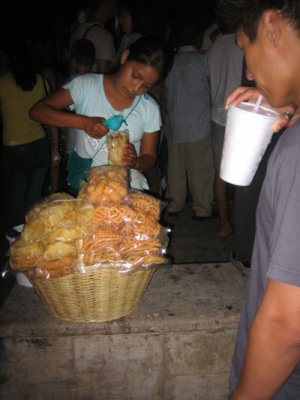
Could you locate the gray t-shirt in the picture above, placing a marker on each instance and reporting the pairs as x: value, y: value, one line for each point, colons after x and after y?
x: 276, y: 252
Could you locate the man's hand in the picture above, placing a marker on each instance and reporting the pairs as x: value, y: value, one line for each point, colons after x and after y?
x: 251, y: 94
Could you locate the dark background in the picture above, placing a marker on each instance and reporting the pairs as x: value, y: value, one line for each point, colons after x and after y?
x: 17, y: 17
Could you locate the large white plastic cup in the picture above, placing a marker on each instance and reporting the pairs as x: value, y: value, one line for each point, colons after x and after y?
x: 247, y: 135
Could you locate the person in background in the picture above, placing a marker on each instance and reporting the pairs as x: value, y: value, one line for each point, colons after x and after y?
x: 26, y: 148
x: 82, y: 57
x: 97, y: 97
x: 135, y: 21
x: 266, y: 361
x: 81, y: 60
x: 93, y: 28
x: 224, y: 70
x: 49, y: 60
x: 190, y: 165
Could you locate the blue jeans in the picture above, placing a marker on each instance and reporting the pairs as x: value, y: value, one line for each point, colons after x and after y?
x: 25, y: 171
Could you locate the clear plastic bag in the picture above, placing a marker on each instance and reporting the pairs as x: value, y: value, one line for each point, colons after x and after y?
x: 107, y: 225
x: 116, y: 142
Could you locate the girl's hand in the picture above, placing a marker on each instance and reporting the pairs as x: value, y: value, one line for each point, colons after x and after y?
x: 55, y: 157
x: 251, y: 94
x: 94, y: 127
x: 129, y: 155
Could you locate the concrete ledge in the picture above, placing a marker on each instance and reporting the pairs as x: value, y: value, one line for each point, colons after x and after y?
x: 176, y: 345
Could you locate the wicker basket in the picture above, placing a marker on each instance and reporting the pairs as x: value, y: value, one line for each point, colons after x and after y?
x: 99, y: 295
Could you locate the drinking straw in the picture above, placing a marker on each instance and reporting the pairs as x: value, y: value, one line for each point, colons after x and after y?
x: 257, y: 104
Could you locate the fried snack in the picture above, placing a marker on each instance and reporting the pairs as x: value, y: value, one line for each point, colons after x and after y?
x: 105, y: 237
x: 146, y: 259
x: 51, y: 233
x: 114, y: 173
x: 115, y: 214
x: 59, y: 250
x: 85, y: 211
x: 33, y: 212
x: 102, y: 246
x: 62, y: 234
x: 35, y: 229
x: 116, y: 143
x: 59, y: 212
x: 105, y: 185
x: 138, y: 247
x: 106, y: 224
x: 24, y: 255
x: 144, y: 226
x: 55, y: 268
x: 146, y: 203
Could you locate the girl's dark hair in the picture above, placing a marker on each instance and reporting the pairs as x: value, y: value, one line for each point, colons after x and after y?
x: 152, y: 50
x: 245, y: 14
x: 21, y: 64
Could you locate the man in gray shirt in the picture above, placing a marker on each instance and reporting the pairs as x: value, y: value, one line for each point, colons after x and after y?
x: 267, y: 353
x: 190, y: 164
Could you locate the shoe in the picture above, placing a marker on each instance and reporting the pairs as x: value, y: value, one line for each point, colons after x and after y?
x: 206, y: 218
x: 239, y: 262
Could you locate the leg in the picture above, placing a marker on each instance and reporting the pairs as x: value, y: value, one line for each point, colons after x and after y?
x: 200, y: 172
x: 38, y: 170
x: 220, y: 187
x: 17, y: 175
x: 220, y: 191
x: 177, y: 189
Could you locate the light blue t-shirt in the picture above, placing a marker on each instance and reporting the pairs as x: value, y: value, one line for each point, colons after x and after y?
x: 89, y: 99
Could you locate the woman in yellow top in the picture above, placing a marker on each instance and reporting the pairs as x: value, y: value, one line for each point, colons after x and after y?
x: 25, y: 146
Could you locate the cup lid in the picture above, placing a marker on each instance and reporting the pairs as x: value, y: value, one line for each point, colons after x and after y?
x: 264, y: 111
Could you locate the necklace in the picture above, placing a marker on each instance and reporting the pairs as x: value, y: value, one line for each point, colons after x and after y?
x: 115, y: 122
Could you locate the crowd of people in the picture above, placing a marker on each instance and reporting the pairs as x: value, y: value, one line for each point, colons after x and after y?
x: 170, y: 81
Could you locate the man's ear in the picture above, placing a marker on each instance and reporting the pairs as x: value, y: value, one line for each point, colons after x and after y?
x: 271, y: 20
x: 124, y: 56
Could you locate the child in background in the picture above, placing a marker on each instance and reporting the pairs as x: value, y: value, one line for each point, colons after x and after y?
x: 82, y: 57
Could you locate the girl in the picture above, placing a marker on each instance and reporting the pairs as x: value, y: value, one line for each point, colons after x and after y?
x: 97, y: 97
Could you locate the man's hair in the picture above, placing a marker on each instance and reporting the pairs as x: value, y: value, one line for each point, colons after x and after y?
x: 83, y: 51
x: 246, y: 14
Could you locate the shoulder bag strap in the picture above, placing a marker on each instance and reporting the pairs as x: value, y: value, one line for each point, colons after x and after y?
x: 89, y: 28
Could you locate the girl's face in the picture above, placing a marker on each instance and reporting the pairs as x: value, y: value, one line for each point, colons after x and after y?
x: 135, y: 78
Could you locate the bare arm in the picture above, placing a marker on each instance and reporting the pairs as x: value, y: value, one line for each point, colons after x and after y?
x: 148, y: 154
x: 273, y: 349
x: 51, y: 110
x: 103, y: 66
x: 54, y: 141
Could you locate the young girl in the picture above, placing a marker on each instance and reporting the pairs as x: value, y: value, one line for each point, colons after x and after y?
x: 97, y: 97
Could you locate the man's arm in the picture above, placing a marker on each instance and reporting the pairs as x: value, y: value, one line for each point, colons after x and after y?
x: 273, y: 349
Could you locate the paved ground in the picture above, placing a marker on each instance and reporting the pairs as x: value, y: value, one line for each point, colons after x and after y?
x: 196, y: 241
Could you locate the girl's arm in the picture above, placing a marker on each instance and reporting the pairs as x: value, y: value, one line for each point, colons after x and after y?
x: 51, y: 110
x: 148, y: 154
